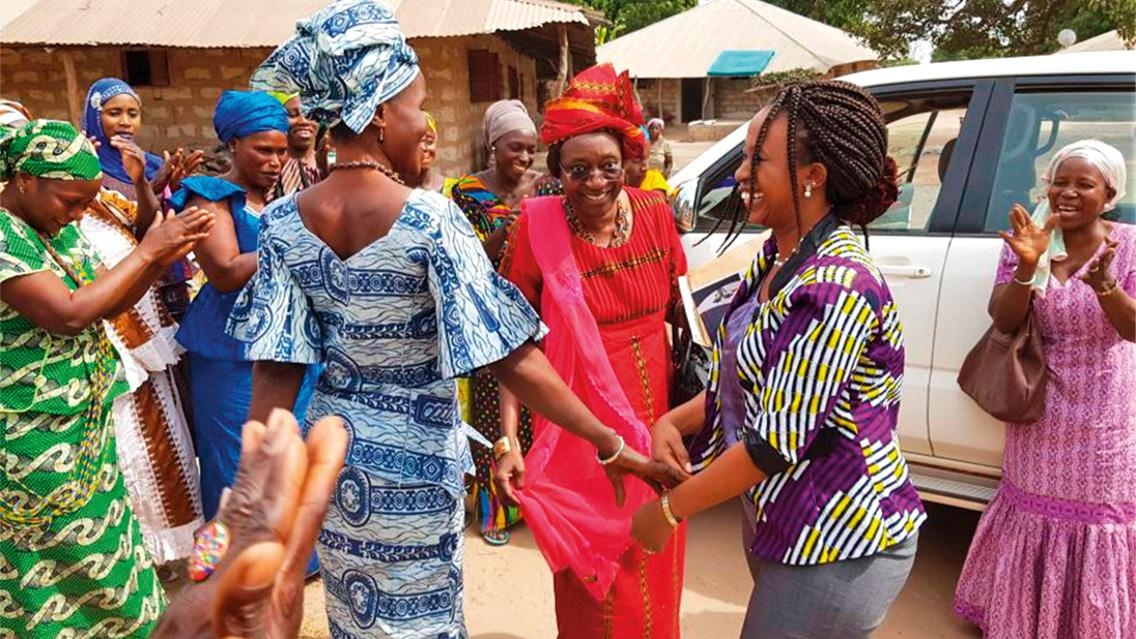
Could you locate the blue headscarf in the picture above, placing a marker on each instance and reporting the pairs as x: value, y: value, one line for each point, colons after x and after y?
x: 345, y: 60
x: 241, y: 113
x: 109, y: 157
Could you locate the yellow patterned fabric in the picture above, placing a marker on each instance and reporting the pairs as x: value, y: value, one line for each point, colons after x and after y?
x: 71, y: 557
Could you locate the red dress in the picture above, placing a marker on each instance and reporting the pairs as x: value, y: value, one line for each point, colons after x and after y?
x: 631, y: 289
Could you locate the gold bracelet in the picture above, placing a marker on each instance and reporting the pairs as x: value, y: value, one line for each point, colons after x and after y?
x: 1109, y: 291
x: 665, y: 502
x: 502, y: 447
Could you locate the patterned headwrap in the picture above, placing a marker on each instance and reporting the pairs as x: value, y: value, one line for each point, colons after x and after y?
x: 110, y: 158
x: 596, y: 100
x: 13, y: 114
x: 1109, y: 161
x: 345, y: 60
x: 283, y: 97
x: 241, y: 113
x: 48, y: 149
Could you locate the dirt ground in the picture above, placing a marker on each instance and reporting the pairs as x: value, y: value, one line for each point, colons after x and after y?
x: 508, y: 590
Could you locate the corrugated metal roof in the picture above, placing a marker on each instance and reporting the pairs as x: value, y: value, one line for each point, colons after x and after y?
x: 11, y: 9
x: 685, y: 45
x: 257, y: 23
x: 1110, y: 41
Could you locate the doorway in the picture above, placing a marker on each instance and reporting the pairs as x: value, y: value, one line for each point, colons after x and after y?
x: 691, y: 99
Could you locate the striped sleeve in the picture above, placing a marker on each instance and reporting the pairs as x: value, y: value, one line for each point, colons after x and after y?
x: 809, y: 364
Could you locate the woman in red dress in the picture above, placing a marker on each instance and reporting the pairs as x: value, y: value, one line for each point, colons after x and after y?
x: 600, y: 265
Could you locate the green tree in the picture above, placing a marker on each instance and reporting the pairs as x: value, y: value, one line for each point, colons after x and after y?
x: 959, y: 29
x: 625, y: 16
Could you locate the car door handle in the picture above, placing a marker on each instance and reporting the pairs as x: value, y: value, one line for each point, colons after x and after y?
x: 908, y: 271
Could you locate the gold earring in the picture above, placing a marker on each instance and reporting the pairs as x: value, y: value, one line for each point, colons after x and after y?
x: 382, y: 134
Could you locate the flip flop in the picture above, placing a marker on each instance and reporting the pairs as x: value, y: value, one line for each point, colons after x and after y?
x: 496, y: 537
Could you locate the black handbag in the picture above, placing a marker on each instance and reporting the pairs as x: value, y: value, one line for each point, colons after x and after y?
x: 691, y: 364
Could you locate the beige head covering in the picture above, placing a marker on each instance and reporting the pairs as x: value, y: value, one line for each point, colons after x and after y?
x: 506, y: 116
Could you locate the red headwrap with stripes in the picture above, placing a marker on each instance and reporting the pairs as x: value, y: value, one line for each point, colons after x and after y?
x: 597, y: 99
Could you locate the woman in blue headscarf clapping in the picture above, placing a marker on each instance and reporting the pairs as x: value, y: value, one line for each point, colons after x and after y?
x: 112, y: 116
x: 254, y: 126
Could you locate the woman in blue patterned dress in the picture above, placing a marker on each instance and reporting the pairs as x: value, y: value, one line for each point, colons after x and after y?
x: 390, y: 289
x: 255, y: 126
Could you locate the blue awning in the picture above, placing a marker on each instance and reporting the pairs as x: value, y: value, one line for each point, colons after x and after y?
x: 740, y: 64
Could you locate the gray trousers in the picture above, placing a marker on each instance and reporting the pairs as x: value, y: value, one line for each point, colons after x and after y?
x: 841, y: 600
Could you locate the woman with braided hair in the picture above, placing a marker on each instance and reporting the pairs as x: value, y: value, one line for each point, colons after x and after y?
x: 800, y: 413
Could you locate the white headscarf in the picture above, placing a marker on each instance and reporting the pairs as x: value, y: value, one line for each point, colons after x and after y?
x: 1109, y: 161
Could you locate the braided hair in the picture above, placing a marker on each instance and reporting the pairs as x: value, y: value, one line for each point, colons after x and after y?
x: 839, y: 125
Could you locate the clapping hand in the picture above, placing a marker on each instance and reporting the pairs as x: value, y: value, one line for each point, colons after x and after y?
x: 274, y: 514
x: 171, y: 237
x: 176, y: 167
x: 1098, y: 275
x: 1028, y: 241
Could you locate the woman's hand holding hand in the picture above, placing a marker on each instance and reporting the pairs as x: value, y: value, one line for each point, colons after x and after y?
x: 1028, y: 241
x: 171, y: 236
x: 649, y: 526
x: 667, y: 447
x: 657, y: 475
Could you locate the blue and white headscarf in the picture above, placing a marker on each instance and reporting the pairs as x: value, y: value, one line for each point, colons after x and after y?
x: 344, y: 61
x: 110, y: 158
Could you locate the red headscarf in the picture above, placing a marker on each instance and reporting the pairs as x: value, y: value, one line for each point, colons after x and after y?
x: 597, y: 99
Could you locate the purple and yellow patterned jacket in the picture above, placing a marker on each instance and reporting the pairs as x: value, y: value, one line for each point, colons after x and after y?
x: 820, y: 367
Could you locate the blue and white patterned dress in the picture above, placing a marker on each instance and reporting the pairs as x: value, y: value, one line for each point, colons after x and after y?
x: 392, y: 324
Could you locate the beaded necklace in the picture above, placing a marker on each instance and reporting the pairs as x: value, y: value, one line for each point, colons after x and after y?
x: 367, y: 164
x: 618, y: 236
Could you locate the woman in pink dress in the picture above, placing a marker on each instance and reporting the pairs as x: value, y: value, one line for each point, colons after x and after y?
x: 1054, y: 556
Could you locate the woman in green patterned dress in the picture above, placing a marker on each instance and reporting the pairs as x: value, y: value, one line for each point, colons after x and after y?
x: 72, y: 561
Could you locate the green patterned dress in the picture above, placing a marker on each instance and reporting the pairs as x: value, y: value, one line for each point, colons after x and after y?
x: 72, y: 563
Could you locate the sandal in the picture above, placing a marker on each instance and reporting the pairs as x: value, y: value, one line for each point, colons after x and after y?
x: 496, y: 537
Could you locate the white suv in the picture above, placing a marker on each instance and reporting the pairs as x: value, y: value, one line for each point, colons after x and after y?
x: 970, y: 139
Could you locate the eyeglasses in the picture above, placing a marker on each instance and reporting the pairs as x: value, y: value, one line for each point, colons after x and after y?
x: 609, y: 171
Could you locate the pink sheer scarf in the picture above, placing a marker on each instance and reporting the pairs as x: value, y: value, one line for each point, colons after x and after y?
x: 567, y: 500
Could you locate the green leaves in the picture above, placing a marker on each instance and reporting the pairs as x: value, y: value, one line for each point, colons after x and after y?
x: 960, y: 29
x: 626, y: 16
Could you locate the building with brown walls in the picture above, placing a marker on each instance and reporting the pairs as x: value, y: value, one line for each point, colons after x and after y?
x: 181, y: 54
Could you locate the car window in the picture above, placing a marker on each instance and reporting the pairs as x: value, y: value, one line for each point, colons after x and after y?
x: 922, y: 130
x: 717, y: 204
x: 1040, y: 123
x: 921, y: 138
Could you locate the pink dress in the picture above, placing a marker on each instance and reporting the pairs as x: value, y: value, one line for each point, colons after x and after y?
x: 1054, y: 556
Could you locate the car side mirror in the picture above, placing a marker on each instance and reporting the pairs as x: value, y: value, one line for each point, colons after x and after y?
x: 684, y: 197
